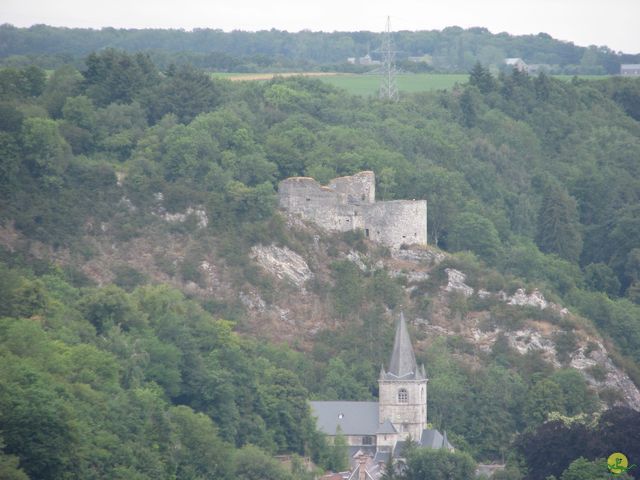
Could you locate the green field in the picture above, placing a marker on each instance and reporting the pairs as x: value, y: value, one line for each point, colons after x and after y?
x: 369, y: 84
x: 420, y: 82
x: 365, y: 84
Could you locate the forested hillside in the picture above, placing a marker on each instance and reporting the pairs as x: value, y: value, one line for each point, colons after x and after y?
x: 131, y: 203
x: 451, y: 50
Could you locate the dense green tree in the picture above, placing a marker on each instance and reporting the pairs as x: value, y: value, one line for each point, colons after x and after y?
x: 198, y: 451
x: 64, y: 82
x: 9, y: 468
x: 340, y: 383
x: 558, y: 227
x: 497, y: 397
x: 439, y: 464
x: 285, y: 409
x: 481, y: 78
x: 34, y: 80
x: 446, y: 191
x: 188, y: 153
x: 184, y: 92
x: 45, y: 151
x: 542, y: 86
x: 10, y: 117
x: 583, y: 469
x: 623, y: 239
x: 475, y: 233
x: 600, y: 277
x: 36, y: 421
x: 578, y: 398
x: 24, y: 82
x: 115, y: 76
x: 544, y: 397
x: 119, y: 127
x: 337, y: 456
x: 469, y: 107
x: 551, y: 448
x: 251, y: 463
x: 10, y: 163
x: 627, y: 94
x: 11, y: 83
x: 80, y: 111
x: 109, y: 307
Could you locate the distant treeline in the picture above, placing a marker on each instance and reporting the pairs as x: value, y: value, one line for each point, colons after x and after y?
x: 453, y: 49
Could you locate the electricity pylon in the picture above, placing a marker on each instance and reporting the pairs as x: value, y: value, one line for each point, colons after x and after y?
x: 388, y: 85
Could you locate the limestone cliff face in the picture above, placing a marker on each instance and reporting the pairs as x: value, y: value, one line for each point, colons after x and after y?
x: 300, y: 318
x: 293, y: 308
x: 415, y: 265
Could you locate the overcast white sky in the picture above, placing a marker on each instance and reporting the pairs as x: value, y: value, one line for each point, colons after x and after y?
x: 615, y: 23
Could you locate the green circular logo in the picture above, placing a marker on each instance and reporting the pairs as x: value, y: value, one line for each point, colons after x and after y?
x: 617, y: 463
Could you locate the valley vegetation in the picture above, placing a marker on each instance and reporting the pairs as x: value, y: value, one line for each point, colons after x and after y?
x: 532, y: 180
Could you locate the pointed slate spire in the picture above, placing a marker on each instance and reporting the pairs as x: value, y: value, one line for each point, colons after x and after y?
x: 403, y: 360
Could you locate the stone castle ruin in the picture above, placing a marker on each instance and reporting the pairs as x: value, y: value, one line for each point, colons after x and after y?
x: 348, y: 203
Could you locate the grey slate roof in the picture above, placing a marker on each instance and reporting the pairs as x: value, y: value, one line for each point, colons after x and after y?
x: 403, y: 361
x: 353, y: 418
x: 387, y: 427
x: 432, y: 438
x: 355, y: 451
x: 382, y: 457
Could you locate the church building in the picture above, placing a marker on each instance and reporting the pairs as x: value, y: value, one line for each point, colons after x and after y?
x: 377, y: 431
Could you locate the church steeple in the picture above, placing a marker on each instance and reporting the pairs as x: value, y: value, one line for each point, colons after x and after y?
x: 403, y: 360
x: 403, y: 388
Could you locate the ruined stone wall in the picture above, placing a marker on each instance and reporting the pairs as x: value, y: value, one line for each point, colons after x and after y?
x: 357, y: 188
x: 322, y: 205
x: 348, y: 204
x: 397, y: 222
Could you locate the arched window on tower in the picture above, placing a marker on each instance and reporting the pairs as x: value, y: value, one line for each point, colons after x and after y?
x: 403, y: 396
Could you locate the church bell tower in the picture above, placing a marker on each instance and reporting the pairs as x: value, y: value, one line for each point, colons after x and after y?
x: 403, y: 388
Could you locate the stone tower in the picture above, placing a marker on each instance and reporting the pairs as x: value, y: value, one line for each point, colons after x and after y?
x: 403, y: 388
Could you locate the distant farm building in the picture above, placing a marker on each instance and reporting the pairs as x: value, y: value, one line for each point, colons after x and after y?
x: 517, y: 63
x: 366, y: 60
x: 630, y: 69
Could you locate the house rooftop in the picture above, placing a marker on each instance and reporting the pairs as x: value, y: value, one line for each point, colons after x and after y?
x: 353, y: 418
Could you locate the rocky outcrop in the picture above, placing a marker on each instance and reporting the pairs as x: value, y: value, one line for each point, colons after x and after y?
x: 198, y: 212
x: 455, y: 282
x: 534, y: 299
x: 283, y: 263
x: 615, y: 379
x: 540, y: 337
